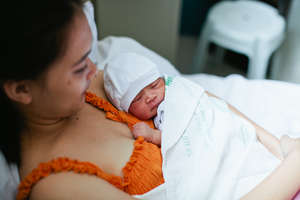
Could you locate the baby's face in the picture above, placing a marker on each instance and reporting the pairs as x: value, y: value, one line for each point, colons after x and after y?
x: 144, y: 105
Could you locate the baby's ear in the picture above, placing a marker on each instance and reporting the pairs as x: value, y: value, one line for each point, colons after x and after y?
x: 18, y: 91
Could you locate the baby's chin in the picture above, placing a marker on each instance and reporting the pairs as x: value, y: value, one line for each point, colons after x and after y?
x: 147, y: 116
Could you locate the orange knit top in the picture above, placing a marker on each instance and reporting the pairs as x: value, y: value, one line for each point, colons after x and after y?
x: 142, y: 172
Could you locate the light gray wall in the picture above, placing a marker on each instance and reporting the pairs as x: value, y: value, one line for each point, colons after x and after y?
x: 154, y: 23
x: 286, y: 62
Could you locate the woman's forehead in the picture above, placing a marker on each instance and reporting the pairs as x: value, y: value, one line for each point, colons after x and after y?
x: 79, y: 39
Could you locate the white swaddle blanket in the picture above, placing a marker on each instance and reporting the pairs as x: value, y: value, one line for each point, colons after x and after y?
x: 204, y: 146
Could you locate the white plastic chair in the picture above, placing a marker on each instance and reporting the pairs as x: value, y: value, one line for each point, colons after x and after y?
x: 249, y: 27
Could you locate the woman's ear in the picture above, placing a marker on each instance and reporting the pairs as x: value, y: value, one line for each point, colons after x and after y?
x: 18, y: 91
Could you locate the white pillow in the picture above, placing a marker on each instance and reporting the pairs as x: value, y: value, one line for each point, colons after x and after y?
x: 111, y: 46
x: 9, y: 179
x: 89, y: 13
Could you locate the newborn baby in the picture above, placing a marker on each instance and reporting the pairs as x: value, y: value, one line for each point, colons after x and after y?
x: 133, y: 84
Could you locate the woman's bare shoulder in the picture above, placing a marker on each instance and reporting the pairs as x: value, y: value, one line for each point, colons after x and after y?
x: 69, y: 185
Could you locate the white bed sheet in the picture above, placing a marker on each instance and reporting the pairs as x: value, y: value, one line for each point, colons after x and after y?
x: 274, y: 105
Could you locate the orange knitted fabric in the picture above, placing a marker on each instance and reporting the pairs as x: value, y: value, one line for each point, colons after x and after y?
x: 112, y: 113
x: 142, y: 172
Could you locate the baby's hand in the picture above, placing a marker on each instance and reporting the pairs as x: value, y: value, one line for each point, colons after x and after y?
x: 288, y: 144
x: 142, y: 129
x: 149, y: 134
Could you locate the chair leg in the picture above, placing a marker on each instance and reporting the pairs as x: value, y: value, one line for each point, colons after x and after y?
x: 201, y: 53
x: 220, y: 52
x: 258, y: 64
x: 276, y: 63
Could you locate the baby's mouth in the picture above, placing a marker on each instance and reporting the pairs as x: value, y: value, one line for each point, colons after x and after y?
x: 156, y: 105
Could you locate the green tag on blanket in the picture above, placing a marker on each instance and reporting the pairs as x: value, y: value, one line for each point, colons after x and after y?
x: 168, y: 80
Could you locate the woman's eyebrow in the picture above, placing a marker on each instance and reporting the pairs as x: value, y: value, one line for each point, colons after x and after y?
x: 83, y: 57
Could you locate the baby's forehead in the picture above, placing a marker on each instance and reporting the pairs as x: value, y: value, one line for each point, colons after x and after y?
x: 149, y: 85
x: 158, y: 79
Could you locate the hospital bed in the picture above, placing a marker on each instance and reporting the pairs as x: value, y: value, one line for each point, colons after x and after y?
x: 274, y: 105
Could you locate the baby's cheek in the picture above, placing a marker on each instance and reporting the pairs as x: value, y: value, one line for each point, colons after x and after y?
x: 135, y: 110
x: 131, y: 108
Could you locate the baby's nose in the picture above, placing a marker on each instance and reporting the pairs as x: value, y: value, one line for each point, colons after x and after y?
x: 150, y: 97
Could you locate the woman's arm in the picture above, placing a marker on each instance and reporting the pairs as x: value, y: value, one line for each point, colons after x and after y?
x: 68, y: 185
x: 267, y: 139
x: 282, y: 184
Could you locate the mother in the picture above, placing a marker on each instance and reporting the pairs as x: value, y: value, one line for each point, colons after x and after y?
x: 43, y: 105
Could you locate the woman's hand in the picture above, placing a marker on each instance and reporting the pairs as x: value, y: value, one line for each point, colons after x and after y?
x: 288, y: 144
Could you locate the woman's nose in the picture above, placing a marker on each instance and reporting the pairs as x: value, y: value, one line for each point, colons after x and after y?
x: 93, y: 69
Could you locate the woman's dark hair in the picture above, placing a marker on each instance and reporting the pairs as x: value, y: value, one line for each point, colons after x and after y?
x: 33, y: 35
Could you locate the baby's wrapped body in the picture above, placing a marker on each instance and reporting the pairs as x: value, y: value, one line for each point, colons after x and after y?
x: 208, y: 151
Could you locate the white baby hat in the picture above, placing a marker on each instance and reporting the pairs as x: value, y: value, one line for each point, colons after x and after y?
x: 125, y: 75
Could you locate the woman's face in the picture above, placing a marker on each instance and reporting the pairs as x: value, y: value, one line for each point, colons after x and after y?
x: 61, y: 92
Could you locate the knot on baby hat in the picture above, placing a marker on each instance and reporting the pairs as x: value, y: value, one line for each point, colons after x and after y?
x: 125, y: 75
